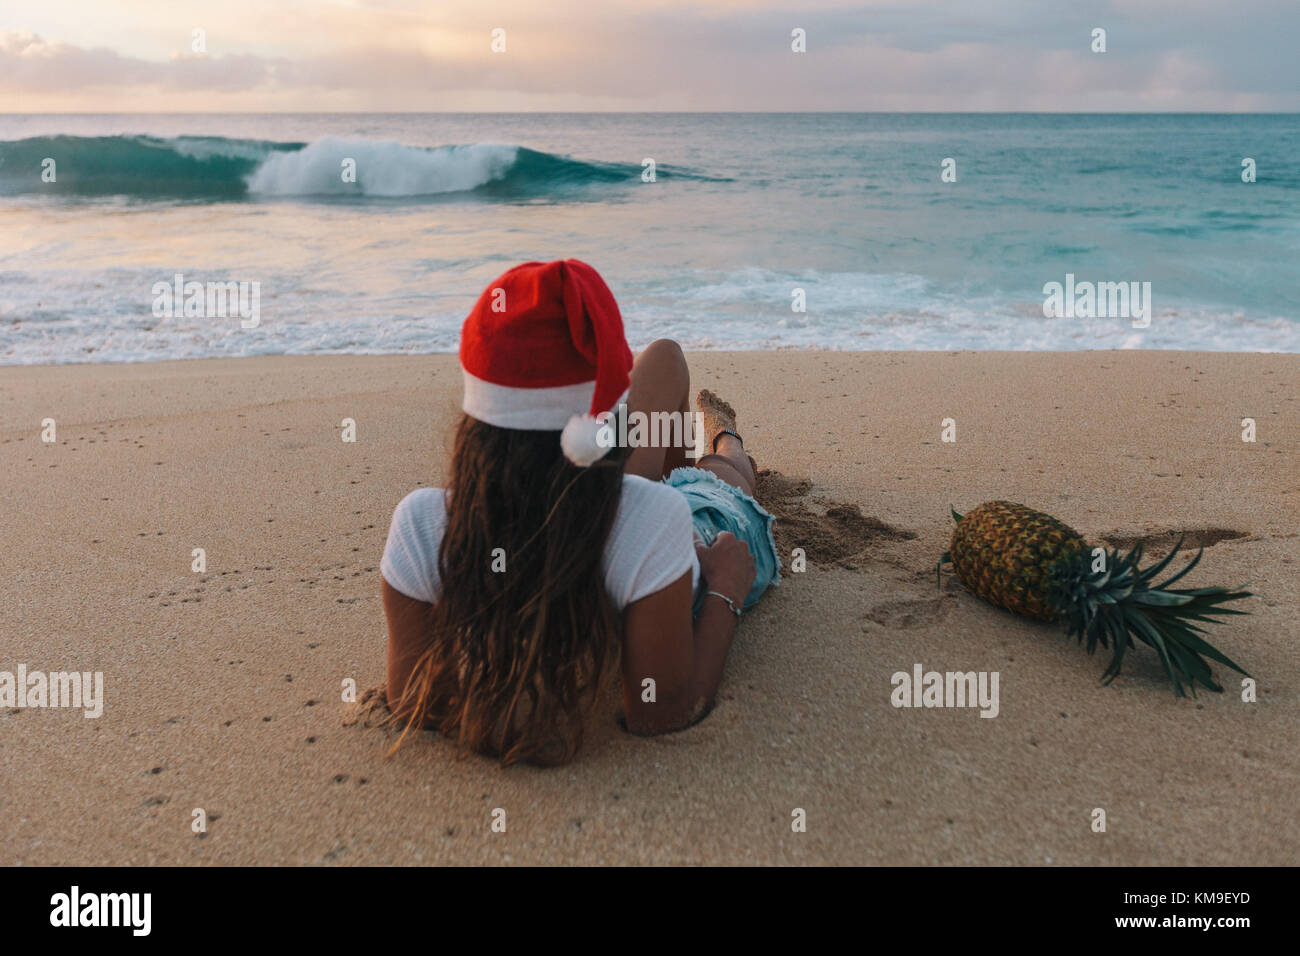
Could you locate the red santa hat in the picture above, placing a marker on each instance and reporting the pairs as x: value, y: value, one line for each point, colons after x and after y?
x: 544, y: 350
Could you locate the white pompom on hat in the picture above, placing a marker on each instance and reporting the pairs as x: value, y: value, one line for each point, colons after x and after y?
x: 544, y: 350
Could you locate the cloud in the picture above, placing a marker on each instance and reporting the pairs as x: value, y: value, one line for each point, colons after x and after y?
x: 863, y: 55
x: 30, y: 65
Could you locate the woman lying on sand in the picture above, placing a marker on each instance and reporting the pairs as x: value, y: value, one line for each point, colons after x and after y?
x: 562, y: 556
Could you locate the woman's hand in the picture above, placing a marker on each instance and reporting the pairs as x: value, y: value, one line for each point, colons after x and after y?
x: 727, y: 566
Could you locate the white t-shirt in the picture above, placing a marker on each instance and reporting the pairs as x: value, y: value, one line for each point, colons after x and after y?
x: 650, y: 546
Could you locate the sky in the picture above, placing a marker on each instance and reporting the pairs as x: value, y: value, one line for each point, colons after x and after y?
x: 575, y: 55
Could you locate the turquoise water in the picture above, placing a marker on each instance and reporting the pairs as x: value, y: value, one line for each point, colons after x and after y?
x: 744, y: 210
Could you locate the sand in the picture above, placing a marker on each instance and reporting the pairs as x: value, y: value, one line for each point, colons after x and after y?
x: 223, y: 689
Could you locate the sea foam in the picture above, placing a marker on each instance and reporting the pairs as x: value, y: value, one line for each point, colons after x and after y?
x: 383, y: 169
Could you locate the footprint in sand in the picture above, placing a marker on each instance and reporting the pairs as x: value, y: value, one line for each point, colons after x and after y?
x: 908, y: 612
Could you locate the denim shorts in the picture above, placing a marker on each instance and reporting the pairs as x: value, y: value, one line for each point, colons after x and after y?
x: 717, y: 507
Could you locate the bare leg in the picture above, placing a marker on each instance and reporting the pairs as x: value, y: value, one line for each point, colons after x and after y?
x: 661, y: 382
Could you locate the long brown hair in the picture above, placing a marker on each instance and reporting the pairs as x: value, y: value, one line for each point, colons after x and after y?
x: 516, y: 657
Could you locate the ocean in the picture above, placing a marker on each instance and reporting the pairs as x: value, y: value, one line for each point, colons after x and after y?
x: 757, y: 231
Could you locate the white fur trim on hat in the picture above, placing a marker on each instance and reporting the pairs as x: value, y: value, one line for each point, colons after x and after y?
x: 528, y: 409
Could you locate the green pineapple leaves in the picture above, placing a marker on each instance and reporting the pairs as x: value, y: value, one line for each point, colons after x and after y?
x: 1123, y: 602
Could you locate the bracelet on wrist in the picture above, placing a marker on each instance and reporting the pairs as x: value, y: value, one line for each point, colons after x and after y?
x: 730, y: 603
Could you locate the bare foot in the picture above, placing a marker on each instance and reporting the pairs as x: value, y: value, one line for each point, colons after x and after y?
x: 718, y: 417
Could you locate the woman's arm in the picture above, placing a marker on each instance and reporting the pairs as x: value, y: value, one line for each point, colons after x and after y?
x: 407, y: 639
x: 684, y: 660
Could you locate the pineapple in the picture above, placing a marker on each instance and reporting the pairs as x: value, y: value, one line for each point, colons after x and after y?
x: 1032, y: 564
